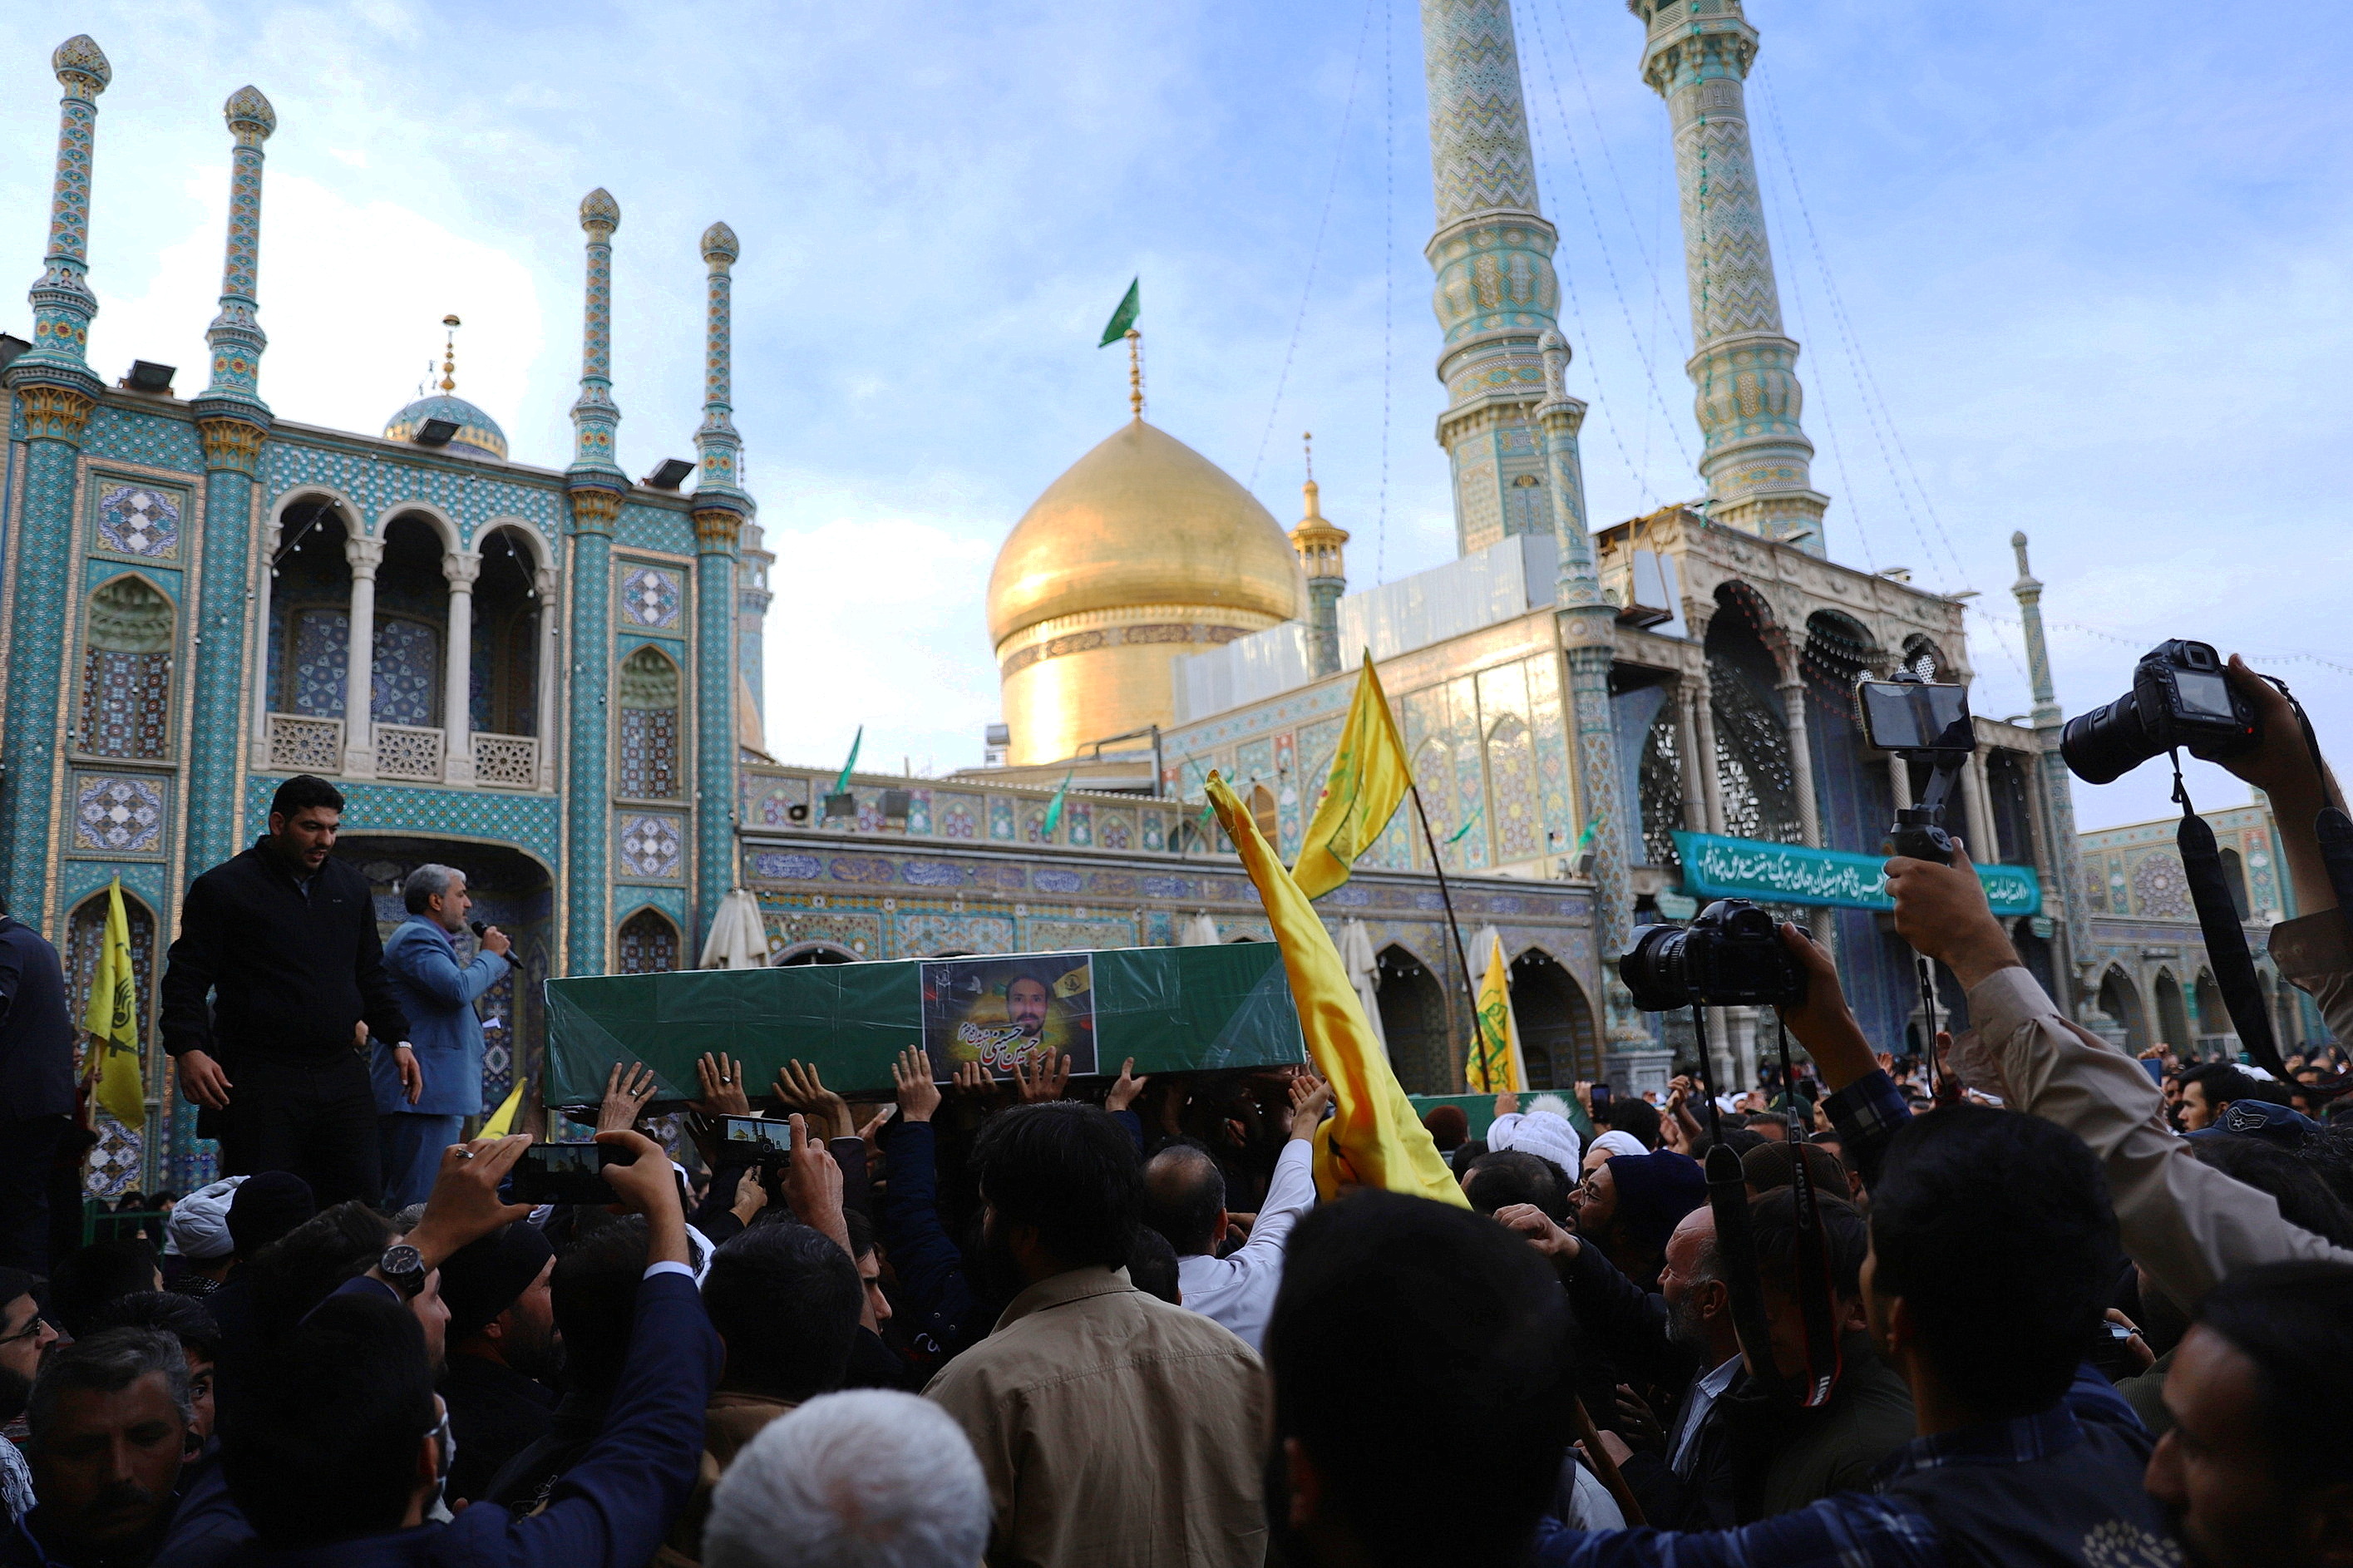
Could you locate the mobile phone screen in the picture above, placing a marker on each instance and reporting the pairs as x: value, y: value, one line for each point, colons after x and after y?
x: 1914, y: 716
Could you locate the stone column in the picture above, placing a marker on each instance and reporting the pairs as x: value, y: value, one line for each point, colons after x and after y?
x: 715, y: 532
x: 56, y: 393
x: 1801, y: 759
x: 1711, y: 783
x: 1985, y: 844
x: 549, y: 672
x: 365, y: 555
x: 2065, y: 863
x: 263, y: 594
x: 460, y: 568
x: 1689, y: 695
x: 596, y: 485
x: 235, y: 422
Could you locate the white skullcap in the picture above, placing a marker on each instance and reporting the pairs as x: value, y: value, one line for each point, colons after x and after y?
x: 1544, y: 1133
x: 198, y: 1228
x: 1618, y: 1142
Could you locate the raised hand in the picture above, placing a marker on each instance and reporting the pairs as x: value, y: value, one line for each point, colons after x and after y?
x: 625, y: 1093
x: 1540, y: 1233
x: 464, y: 1204
x: 911, y: 1075
x: 1125, y: 1088
x: 871, y: 1133
x: 722, y: 1077
x: 800, y: 1088
x: 813, y: 1185
x: 1309, y: 1096
x: 649, y: 1185
x: 972, y: 1079
x: 1048, y: 1074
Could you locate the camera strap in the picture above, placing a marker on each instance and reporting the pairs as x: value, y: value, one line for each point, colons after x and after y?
x: 1812, y: 1266
x: 1735, y: 1248
x: 2226, y: 938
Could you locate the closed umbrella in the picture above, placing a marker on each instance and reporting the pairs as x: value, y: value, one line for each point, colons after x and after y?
x: 1363, y: 967
x: 737, y: 939
x: 1201, y: 931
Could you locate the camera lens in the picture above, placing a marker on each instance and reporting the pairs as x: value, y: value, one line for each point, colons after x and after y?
x: 1656, y: 969
x: 2107, y: 742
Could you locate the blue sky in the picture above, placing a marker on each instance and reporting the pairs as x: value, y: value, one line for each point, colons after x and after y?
x: 2094, y: 275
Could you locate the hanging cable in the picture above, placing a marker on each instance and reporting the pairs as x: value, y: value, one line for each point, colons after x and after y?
x: 1315, y: 252
x: 1388, y: 278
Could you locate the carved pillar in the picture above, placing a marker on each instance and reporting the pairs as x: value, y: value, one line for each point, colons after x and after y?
x: 1711, y: 781
x: 55, y: 395
x: 596, y: 485
x: 1801, y: 760
x: 715, y: 533
x: 365, y: 555
x: 1689, y: 695
x: 264, y: 594
x: 549, y: 671
x: 460, y: 568
x: 1985, y: 844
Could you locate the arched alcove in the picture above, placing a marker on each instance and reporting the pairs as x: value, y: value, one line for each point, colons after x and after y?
x: 1413, y: 1020
x: 1556, y: 1023
x: 647, y: 945
x: 2172, y: 1017
x: 646, y: 736
x: 126, y: 684
x: 1755, y: 778
x: 2120, y: 1000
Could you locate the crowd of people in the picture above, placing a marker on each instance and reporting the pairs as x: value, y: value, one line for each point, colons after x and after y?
x: 2031, y: 1301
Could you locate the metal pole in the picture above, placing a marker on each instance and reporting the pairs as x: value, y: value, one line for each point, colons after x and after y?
x: 1461, y: 955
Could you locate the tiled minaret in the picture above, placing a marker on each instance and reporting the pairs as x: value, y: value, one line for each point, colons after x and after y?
x: 1321, y: 557
x: 2058, y: 789
x: 721, y: 509
x: 1496, y: 291
x: 234, y: 422
x: 56, y: 392
x: 1755, y: 458
x: 596, y: 485
x: 1589, y: 624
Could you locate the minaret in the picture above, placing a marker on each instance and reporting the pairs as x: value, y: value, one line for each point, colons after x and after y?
x: 1588, y: 629
x: 234, y: 422
x: 1753, y: 456
x: 1496, y: 292
x: 1319, y: 543
x: 721, y: 509
x: 2058, y: 790
x: 56, y: 392
x: 596, y: 485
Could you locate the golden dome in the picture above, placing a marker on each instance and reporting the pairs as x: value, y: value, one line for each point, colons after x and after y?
x: 1142, y: 552
x: 1142, y: 519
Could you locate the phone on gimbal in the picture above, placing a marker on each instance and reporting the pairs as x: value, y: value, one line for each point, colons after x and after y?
x: 1930, y: 718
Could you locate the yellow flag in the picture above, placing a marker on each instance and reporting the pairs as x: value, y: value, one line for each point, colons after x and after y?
x: 1494, y: 1064
x: 112, y: 1020
x: 503, y: 1119
x: 1373, y: 1139
x: 1369, y: 777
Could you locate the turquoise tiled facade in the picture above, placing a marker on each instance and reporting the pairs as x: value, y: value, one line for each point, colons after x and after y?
x: 219, y: 507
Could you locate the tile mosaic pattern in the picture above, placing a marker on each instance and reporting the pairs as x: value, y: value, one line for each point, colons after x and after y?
x: 116, y: 814
x: 138, y: 519
x: 322, y: 643
x: 125, y: 704
x: 650, y: 845
x: 647, y: 944
x: 651, y: 596
x: 648, y: 755
x: 407, y: 672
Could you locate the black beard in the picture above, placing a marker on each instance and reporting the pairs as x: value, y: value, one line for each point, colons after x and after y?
x: 16, y: 1390
x: 541, y: 1359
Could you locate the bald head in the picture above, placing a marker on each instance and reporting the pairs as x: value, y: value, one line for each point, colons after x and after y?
x: 1691, y: 1248
x: 1185, y: 1198
x: 1699, y: 1307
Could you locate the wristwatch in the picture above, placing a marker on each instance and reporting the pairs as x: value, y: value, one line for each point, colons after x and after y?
x: 403, y: 1268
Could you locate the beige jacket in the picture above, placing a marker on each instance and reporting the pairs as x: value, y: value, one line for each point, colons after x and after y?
x: 1117, y: 1431
x: 2187, y: 1224
x: 730, y: 1422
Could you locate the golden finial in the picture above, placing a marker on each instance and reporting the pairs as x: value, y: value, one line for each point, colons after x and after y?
x: 1136, y: 372
x: 1307, y: 443
x: 450, y: 355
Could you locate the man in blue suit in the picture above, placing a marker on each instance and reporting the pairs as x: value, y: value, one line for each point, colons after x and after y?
x: 417, y: 1120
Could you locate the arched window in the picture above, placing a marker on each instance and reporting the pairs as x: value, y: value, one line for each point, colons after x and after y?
x: 649, y: 690
x: 1661, y: 783
x: 1556, y: 1023
x: 1755, y: 775
x: 1413, y: 1021
x: 1924, y: 659
x: 126, y: 677
x: 2172, y: 1018
x: 2121, y: 1003
x: 649, y: 943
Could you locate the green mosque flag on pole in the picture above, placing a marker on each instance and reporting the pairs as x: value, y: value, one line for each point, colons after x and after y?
x: 855, y: 742
x: 1054, y: 806
x: 1124, y: 317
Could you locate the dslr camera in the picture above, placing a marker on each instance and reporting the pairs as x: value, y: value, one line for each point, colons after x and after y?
x: 2179, y: 697
x: 1731, y: 955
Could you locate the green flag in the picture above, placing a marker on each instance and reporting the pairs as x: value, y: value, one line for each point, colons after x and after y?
x: 1478, y: 808
x: 856, y: 741
x: 1123, y: 318
x: 1586, y: 837
x: 1054, y: 806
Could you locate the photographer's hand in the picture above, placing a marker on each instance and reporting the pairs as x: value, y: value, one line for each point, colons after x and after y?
x: 813, y: 1186
x: 1825, y: 1025
x: 2281, y: 766
x: 649, y: 1186
x: 1942, y: 912
x: 464, y: 1204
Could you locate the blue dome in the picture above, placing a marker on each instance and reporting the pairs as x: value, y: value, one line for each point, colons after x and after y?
x: 478, y: 435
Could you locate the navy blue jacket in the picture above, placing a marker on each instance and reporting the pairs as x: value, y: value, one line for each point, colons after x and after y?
x: 609, y: 1510
x: 37, y: 1035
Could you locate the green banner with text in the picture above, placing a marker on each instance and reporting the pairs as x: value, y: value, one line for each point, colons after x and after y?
x: 1719, y: 867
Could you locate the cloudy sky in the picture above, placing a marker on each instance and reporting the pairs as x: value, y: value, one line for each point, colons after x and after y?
x: 2052, y: 270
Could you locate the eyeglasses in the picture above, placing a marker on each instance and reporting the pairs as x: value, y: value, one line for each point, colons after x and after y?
x: 32, y: 1328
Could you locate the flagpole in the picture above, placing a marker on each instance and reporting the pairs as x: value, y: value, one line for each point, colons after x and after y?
x: 1454, y: 927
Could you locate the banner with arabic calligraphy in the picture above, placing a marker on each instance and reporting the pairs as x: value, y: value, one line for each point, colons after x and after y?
x: 1719, y: 868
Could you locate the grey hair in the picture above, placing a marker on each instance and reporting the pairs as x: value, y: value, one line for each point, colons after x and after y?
x: 108, y: 1363
x: 863, y: 1480
x: 427, y: 881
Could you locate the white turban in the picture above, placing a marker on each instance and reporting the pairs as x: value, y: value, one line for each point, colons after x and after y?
x: 1541, y: 1132
x: 198, y: 1228
x: 1618, y: 1142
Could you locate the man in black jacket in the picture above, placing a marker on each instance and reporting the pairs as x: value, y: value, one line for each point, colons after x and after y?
x: 37, y: 1089
x: 283, y: 939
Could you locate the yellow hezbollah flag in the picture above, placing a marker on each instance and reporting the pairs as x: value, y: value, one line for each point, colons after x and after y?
x: 503, y: 1119
x: 1369, y: 777
x: 1373, y: 1139
x: 1494, y: 1064
x: 112, y: 1020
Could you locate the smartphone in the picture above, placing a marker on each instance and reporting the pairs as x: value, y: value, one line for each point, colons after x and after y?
x: 752, y: 1140
x: 1915, y: 715
x: 1600, y: 1098
x: 2155, y: 1068
x: 566, y: 1174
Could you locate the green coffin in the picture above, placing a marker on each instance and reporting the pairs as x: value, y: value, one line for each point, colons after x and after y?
x: 1174, y: 1009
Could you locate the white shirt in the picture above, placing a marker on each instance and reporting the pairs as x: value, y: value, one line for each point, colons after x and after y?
x: 1704, y: 1393
x: 1238, y: 1291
